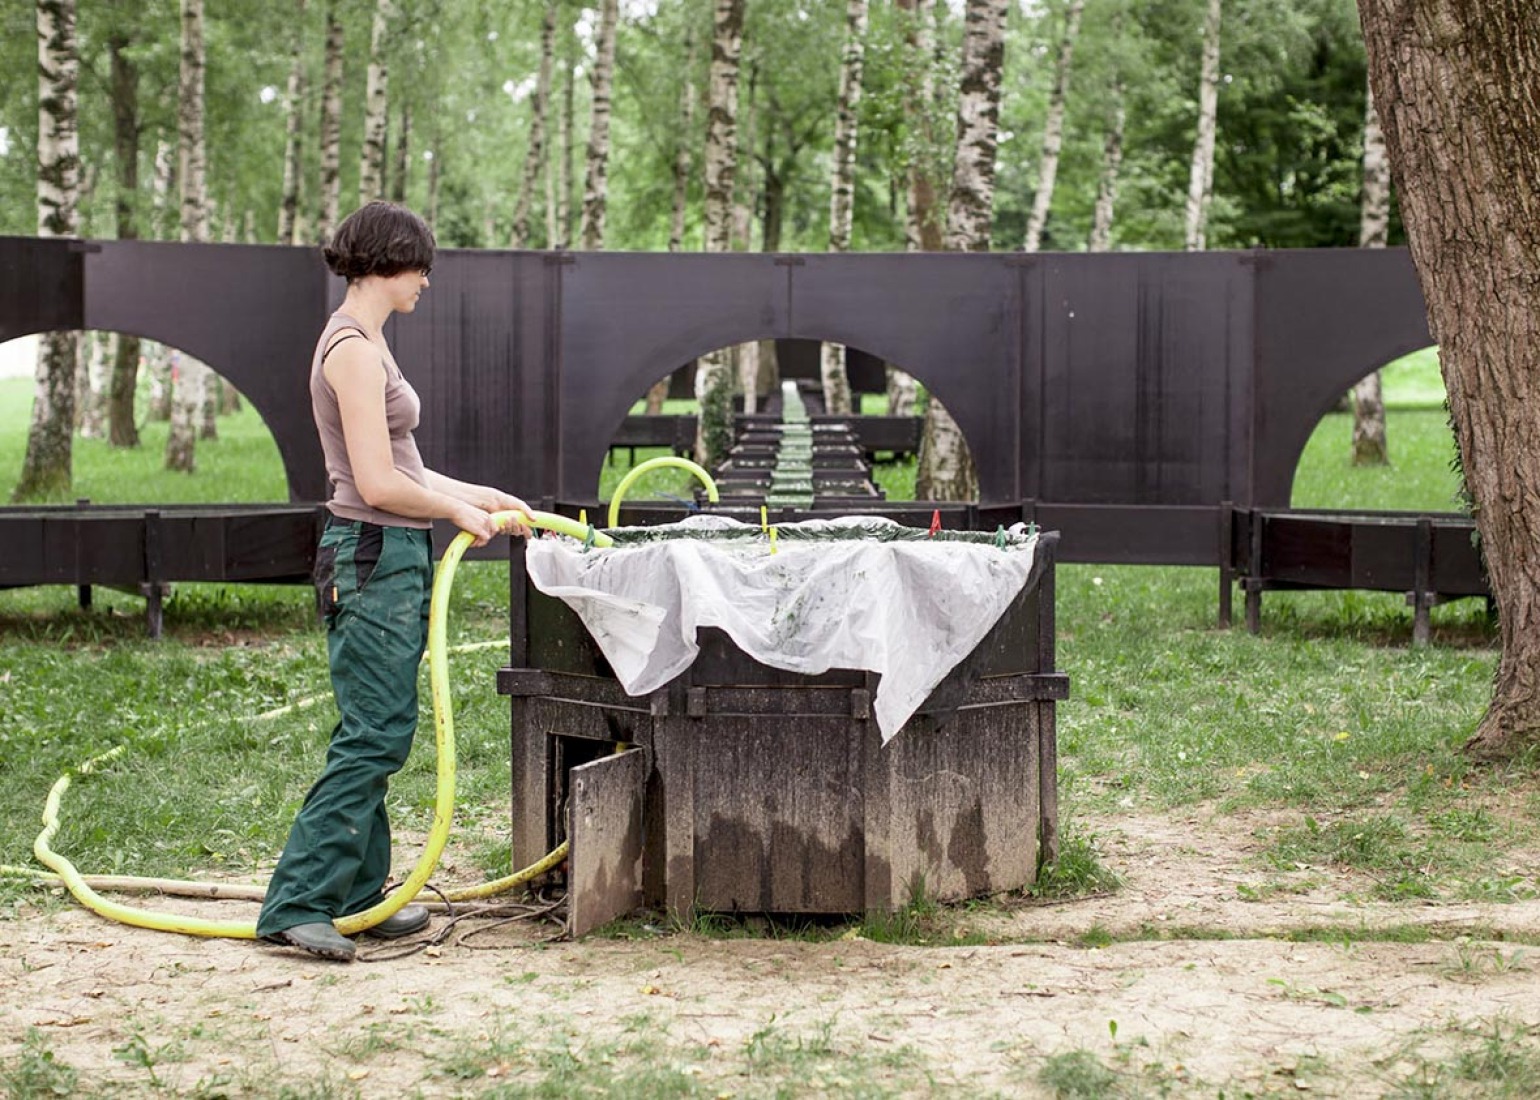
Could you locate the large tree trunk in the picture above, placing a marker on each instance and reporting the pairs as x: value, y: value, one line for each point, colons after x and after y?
x: 293, y: 147
x: 371, y: 157
x: 596, y: 187
x: 923, y: 220
x: 842, y: 186
x: 1053, y: 129
x: 1454, y: 81
x: 946, y: 470
x: 189, y: 385
x: 1200, y: 181
x: 713, y: 373
x: 1370, y: 447
x: 331, y: 126
x: 46, y: 471
x: 534, y: 154
x: 122, y: 430
x: 156, y: 355
x: 92, y: 383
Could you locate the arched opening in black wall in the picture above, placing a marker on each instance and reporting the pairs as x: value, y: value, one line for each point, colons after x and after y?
x: 1419, y: 444
x: 241, y: 464
x: 887, y: 416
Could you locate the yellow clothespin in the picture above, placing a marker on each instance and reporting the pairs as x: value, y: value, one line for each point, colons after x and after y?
x: 772, y: 540
x: 583, y: 516
x: 764, y: 519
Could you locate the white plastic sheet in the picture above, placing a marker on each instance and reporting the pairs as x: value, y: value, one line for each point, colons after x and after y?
x: 908, y: 610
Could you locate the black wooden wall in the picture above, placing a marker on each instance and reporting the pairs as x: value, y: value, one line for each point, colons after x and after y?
x: 1121, y: 397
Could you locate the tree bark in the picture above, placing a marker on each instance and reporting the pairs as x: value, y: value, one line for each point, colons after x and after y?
x: 596, y: 187
x: 1107, y: 187
x: 1200, y: 182
x: 534, y: 154
x: 922, y: 220
x: 682, y: 150
x: 93, y: 381
x: 47, y: 469
x: 189, y: 381
x: 122, y: 430
x: 1370, y: 445
x: 331, y: 126
x: 401, y: 177
x: 293, y: 144
x: 946, y: 470
x: 836, y: 382
x: 1053, y: 129
x: 562, y: 238
x: 713, y: 373
x: 970, y: 213
x: 371, y: 159
x: 1454, y: 81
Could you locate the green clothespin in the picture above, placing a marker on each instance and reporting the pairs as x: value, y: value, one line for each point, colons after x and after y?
x: 1000, y: 537
x: 588, y: 539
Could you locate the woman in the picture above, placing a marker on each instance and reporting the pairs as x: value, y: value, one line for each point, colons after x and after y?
x: 374, y: 576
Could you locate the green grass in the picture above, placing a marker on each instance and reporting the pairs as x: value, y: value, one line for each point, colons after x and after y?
x: 241, y: 465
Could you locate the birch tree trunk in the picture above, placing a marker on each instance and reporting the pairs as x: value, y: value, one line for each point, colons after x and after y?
x: 596, y: 187
x: 91, y: 400
x: 122, y: 430
x: 682, y: 151
x: 293, y: 147
x: 534, y: 155
x: 836, y: 382
x: 433, y: 173
x: 923, y: 221
x: 713, y: 374
x: 157, y: 356
x: 401, y: 177
x: 331, y: 126
x: 1454, y: 82
x: 1200, y: 183
x: 946, y: 470
x: 1053, y: 129
x: 189, y: 385
x: 1107, y: 186
x: 371, y: 158
x: 1370, y: 446
x: 562, y: 237
x: 970, y: 211
x: 47, y: 469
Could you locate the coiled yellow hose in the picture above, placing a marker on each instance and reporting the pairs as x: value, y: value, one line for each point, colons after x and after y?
x: 443, y: 806
x: 653, y: 464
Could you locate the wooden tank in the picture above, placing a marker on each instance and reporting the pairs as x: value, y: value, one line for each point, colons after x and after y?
x: 751, y: 789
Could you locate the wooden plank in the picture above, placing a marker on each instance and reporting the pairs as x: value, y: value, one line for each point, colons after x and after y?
x: 604, y: 826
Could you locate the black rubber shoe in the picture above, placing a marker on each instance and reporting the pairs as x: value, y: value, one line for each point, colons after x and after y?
x: 407, y: 921
x: 320, y: 939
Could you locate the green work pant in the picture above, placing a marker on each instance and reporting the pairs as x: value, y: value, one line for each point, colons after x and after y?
x: 375, y: 584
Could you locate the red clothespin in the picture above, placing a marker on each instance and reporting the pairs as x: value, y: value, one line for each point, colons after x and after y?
x: 935, y: 523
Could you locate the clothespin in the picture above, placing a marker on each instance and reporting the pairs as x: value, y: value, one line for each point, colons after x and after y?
x: 582, y: 515
x: 935, y: 522
x: 1000, y: 537
x: 764, y: 520
x: 772, y: 540
x: 588, y: 539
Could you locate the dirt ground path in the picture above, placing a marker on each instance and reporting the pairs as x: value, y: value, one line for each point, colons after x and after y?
x: 1193, y: 990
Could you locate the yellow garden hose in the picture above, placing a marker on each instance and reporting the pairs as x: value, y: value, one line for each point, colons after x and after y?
x: 443, y: 808
x: 652, y: 464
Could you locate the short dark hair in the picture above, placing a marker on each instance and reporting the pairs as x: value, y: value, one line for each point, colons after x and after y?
x: 380, y: 238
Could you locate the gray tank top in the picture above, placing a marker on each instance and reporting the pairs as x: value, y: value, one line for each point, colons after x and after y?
x: 402, y: 410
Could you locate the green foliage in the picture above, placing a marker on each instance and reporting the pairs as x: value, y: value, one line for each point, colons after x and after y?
x: 1077, y: 1075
